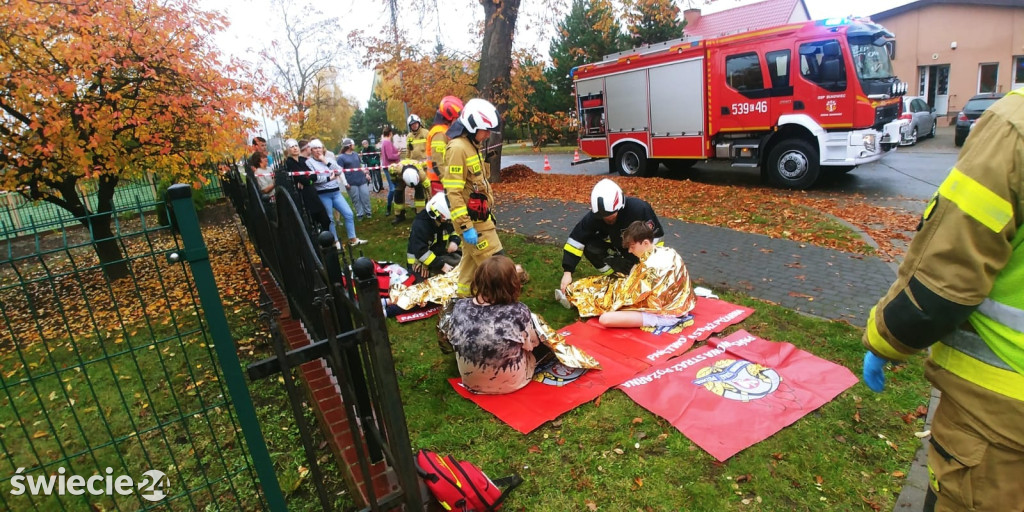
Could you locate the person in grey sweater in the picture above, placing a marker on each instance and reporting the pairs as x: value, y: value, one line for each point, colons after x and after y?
x: 355, y: 175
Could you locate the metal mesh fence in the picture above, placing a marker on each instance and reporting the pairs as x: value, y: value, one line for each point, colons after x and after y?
x: 105, y: 380
x: 23, y: 216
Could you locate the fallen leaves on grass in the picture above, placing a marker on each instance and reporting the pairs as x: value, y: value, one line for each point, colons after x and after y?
x: 64, y: 295
x: 794, y: 215
x: 871, y: 503
x: 912, y: 416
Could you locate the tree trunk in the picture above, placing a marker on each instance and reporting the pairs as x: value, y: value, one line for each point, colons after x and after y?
x: 496, y: 66
x: 108, y: 250
x: 107, y: 247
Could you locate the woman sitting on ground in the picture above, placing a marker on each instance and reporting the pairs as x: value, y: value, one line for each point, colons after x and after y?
x: 492, y: 332
x: 656, y: 293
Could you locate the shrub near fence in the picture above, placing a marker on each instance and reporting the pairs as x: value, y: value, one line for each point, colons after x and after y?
x: 122, y: 375
x: 21, y: 216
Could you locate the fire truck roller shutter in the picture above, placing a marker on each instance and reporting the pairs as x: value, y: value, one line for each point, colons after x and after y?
x: 627, y: 105
x: 627, y: 101
x: 677, y: 102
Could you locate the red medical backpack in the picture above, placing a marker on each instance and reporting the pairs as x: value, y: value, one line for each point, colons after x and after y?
x: 460, y: 486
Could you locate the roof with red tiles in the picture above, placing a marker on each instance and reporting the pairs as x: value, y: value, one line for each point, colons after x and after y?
x: 756, y: 16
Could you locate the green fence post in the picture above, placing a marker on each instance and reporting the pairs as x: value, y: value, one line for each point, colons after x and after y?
x: 180, y: 196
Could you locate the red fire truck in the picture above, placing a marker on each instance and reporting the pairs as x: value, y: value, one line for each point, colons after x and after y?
x: 796, y: 100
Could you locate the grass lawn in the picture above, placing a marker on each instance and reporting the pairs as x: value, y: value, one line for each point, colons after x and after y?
x: 140, y: 377
x: 611, y: 454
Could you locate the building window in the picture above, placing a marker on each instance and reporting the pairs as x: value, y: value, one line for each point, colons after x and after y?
x: 988, y: 77
x: 1018, y: 72
x: 743, y: 72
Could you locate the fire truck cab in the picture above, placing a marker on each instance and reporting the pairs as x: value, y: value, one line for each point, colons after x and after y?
x: 795, y: 100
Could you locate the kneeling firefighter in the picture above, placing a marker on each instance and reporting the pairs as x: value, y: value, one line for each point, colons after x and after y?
x: 415, y: 150
x: 433, y: 245
x: 465, y: 177
x: 415, y: 177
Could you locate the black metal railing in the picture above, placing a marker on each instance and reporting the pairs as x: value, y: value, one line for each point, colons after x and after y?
x: 350, y: 334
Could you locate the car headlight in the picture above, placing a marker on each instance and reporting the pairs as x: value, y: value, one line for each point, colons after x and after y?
x: 869, y: 139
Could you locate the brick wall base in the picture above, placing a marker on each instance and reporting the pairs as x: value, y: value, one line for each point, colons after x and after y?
x: 325, y: 395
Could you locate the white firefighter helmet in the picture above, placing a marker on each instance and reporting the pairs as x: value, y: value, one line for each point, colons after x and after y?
x: 606, y: 198
x: 411, y: 175
x: 479, y: 114
x: 413, y: 118
x: 437, y: 207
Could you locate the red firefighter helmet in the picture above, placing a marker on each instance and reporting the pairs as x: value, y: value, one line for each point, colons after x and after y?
x: 450, y: 107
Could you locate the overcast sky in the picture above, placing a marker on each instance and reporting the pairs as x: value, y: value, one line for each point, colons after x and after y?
x: 253, y: 25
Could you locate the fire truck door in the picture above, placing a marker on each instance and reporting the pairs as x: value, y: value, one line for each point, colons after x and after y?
x: 823, y: 85
x: 781, y: 100
x: 741, y: 102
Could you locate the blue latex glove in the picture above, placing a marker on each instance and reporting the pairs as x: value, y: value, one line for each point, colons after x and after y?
x: 874, y: 376
x: 470, y: 236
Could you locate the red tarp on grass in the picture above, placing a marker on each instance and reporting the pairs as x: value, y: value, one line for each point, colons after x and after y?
x: 737, y: 391
x: 622, y: 354
x: 653, y: 345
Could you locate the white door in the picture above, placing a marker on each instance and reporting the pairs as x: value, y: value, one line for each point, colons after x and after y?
x: 941, y: 89
x: 1018, y: 73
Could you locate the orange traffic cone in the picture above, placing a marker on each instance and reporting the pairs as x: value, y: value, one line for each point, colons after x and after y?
x: 547, y: 164
x: 576, y: 155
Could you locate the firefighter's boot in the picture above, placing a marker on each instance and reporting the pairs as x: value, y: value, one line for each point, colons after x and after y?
x: 399, y: 218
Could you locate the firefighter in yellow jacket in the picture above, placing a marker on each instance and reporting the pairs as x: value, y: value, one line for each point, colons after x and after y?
x: 465, y: 177
x: 416, y: 139
x: 960, y: 291
x: 448, y: 111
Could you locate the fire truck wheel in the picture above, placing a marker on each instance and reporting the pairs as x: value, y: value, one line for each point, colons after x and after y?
x: 793, y: 164
x: 631, y: 160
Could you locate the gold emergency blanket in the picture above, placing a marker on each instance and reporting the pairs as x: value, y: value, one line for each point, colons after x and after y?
x: 658, y: 284
x: 566, y: 354
x: 438, y: 289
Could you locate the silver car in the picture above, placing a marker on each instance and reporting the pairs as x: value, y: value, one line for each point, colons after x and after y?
x: 920, y: 120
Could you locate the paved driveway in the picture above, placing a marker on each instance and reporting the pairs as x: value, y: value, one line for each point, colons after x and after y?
x: 905, y: 179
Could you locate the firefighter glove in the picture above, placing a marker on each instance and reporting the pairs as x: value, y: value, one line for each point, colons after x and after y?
x: 470, y: 236
x: 873, y: 372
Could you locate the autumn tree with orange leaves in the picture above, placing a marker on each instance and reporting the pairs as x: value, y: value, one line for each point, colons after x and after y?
x: 108, y: 90
x: 418, y: 79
